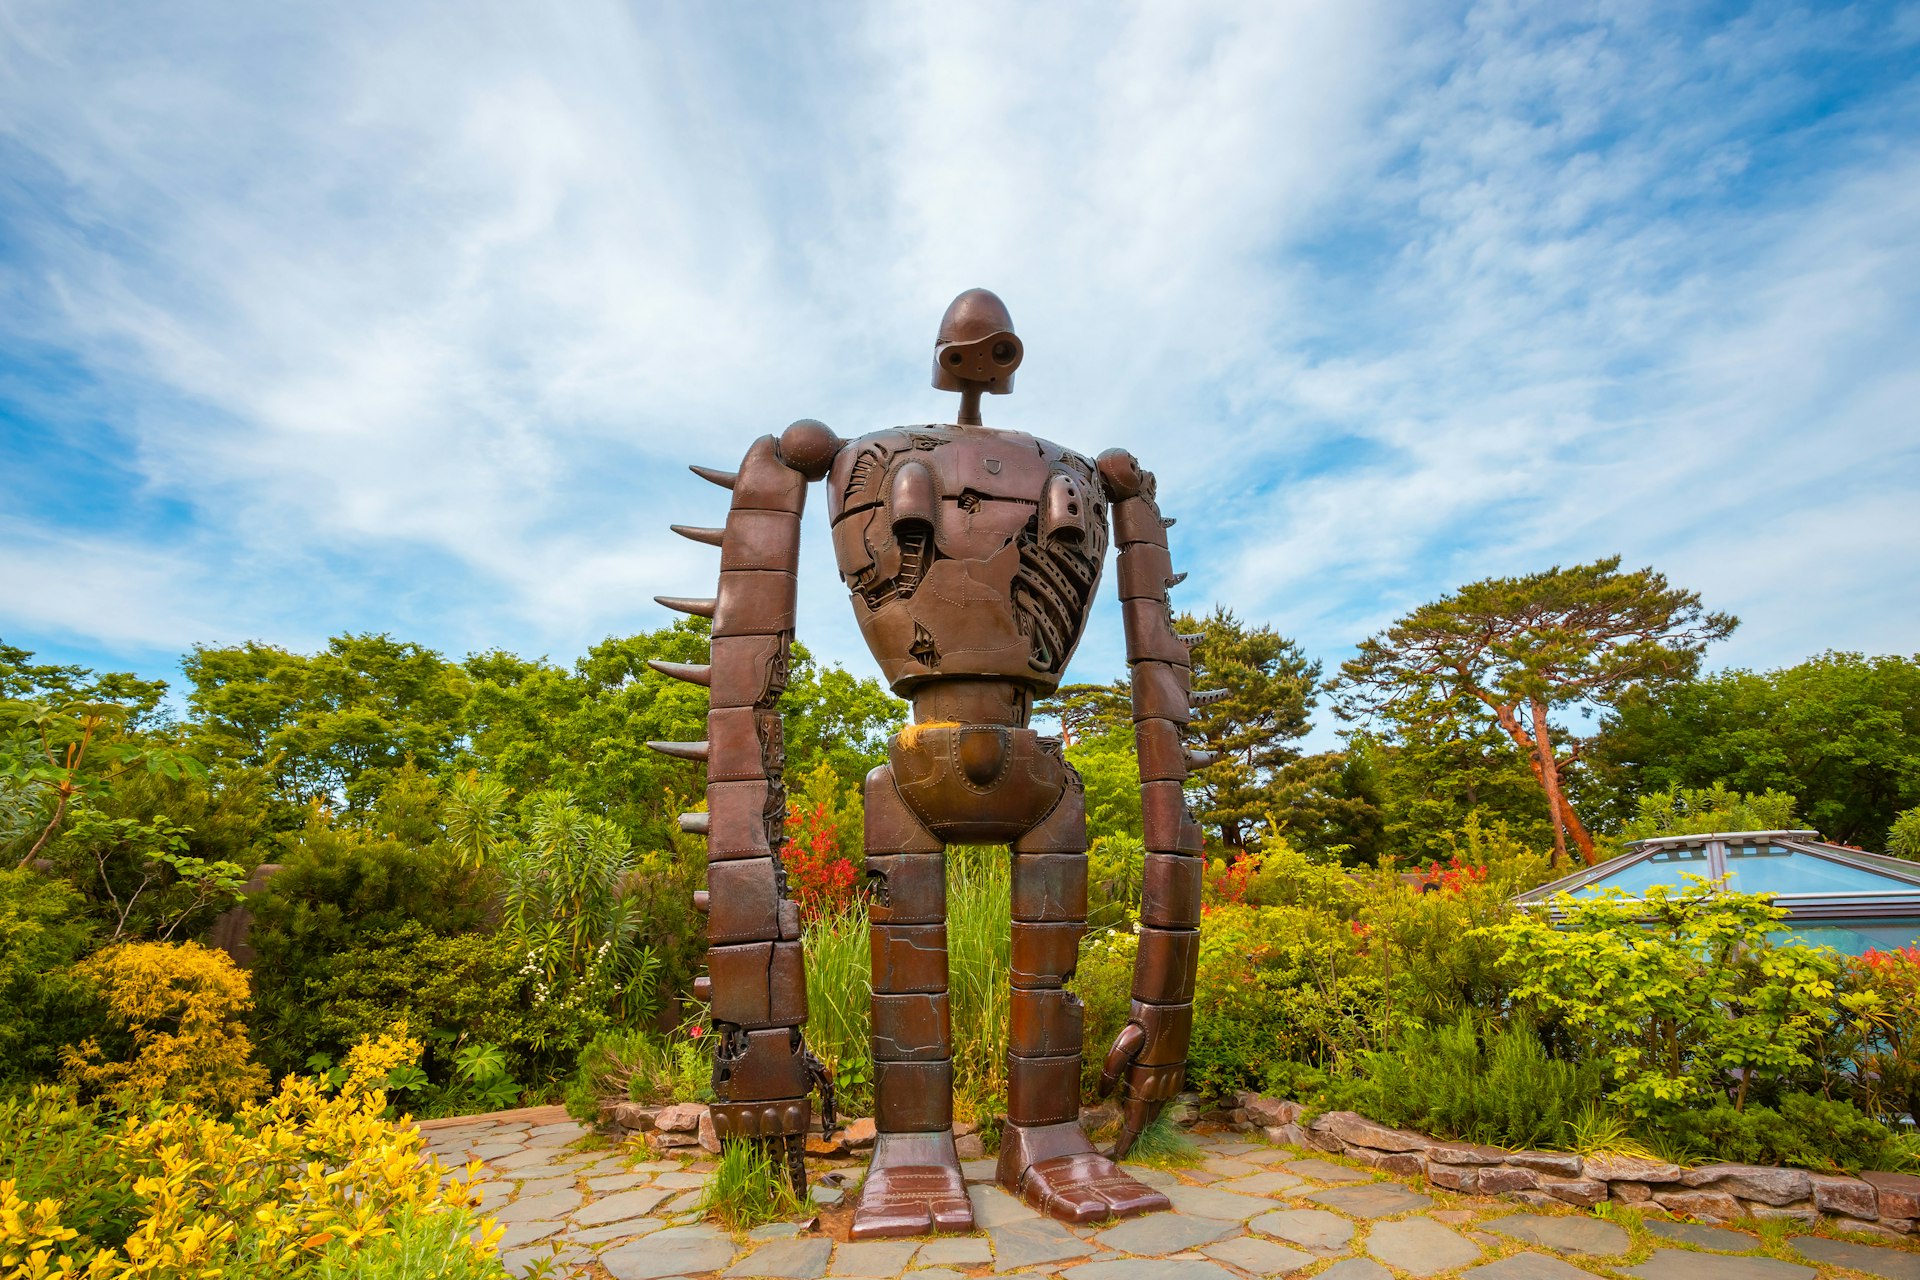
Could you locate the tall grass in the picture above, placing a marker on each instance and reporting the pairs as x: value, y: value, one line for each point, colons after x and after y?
x: 979, y: 965
x: 979, y: 939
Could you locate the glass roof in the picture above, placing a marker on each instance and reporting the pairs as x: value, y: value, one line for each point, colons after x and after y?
x: 1772, y: 868
x: 1665, y: 866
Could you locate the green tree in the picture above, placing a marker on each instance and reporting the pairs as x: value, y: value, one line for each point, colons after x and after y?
x: 1840, y: 731
x: 1526, y: 647
x: 1270, y: 690
x: 1683, y: 812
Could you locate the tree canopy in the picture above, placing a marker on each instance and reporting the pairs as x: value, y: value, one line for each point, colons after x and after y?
x: 1525, y: 647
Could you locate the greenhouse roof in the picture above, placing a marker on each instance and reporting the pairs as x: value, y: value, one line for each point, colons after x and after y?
x: 1833, y: 895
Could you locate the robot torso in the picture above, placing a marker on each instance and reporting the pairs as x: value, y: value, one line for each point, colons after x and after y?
x: 970, y: 553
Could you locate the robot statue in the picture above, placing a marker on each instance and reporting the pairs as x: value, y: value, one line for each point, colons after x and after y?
x: 971, y: 555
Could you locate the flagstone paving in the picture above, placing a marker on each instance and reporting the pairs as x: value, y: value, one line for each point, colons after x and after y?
x: 565, y: 1199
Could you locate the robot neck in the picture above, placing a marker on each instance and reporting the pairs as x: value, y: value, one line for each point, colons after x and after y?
x: 966, y: 701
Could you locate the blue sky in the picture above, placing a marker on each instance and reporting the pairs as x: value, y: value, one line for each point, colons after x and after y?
x: 406, y: 317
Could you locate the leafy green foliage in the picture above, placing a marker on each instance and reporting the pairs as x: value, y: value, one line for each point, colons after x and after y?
x: 1271, y: 688
x: 1682, y: 812
x: 1903, y: 838
x: 641, y: 1066
x: 1523, y: 647
x: 1806, y: 1131
x: 1678, y: 993
x: 43, y: 933
x: 1840, y: 731
x: 1453, y: 1082
x: 57, y: 1147
x: 1164, y: 1145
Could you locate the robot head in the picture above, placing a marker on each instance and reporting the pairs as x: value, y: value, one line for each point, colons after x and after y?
x: 976, y: 345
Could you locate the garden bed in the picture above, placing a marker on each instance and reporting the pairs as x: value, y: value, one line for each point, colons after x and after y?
x: 1876, y: 1203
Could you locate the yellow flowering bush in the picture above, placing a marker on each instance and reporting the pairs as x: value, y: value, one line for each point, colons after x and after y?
x: 370, y: 1062
x: 179, y: 1007
x: 279, y: 1190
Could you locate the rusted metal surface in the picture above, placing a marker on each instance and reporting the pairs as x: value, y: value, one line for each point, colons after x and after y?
x: 971, y: 557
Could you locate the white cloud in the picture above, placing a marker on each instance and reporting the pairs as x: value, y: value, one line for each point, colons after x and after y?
x: 419, y: 309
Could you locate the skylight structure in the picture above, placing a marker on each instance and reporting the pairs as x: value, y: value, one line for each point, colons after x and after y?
x: 1847, y: 899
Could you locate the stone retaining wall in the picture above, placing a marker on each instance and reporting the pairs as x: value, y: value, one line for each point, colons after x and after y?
x: 1877, y: 1203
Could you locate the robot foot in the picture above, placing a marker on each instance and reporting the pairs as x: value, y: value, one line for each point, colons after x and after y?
x: 913, y: 1187
x: 1056, y: 1170
x: 1087, y: 1188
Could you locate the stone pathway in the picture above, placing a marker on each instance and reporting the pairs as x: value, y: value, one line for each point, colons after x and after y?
x: 1246, y: 1212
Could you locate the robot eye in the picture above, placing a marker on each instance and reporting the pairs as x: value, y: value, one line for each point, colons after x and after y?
x: 1003, y: 352
x: 953, y: 357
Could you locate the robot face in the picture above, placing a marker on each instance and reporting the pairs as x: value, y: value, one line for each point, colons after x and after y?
x: 990, y: 360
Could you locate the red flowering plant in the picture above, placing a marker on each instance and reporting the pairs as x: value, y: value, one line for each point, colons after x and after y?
x: 1881, y: 998
x: 1453, y: 877
x: 823, y: 833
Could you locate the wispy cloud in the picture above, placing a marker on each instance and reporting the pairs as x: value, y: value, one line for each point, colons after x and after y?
x: 406, y: 316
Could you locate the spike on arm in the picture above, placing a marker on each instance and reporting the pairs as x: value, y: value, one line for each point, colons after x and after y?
x: 688, y: 604
x: 691, y: 672
x: 725, y: 479
x: 681, y: 750
x: 711, y: 537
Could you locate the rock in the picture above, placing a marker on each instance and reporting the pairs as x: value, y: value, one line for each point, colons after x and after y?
x: 1270, y: 1111
x: 993, y: 1207
x: 677, y: 1251
x: 1327, y: 1140
x: 635, y: 1117
x: 1402, y: 1162
x: 965, y: 1251
x: 1312, y: 1228
x: 1717, y: 1206
x: 1160, y: 1233
x: 681, y: 1117
x: 1527, y: 1266
x: 1466, y: 1153
x: 827, y: 1148
x: 1705, y: 1237
x: 1325, y: 1171
x: 1629, y: 1192
x: 673, y: 1141
x: 1898, y: 1193
x: 1765, y: 1183
x: 636, y: 1203
x: 1420, y: 1246
x: 1103, y: 1116
x: 1802, y: 1212
x: 1851, y: 1196
x: 1866, y: 1228
x: 1375, y: 1200
x: 1681, y: 1264
x: 1205, y: 1202
x: 858, y: 1135
x: 961, y: 1128
x: 1285, y: 1135
x: 1454, y: 1177
x: 876, y: 1258
x: 1356, y: 1269
x: 709, y: 1137
x: 1153, y: 1269
x: 1585, y: 1192
x: 1034, y: 1241
x: 1497, y: 1178
x: 1893, y: 1264
x: 1258, y: 1257
x: 1565, y: 1232
x: 1352, y: 1127
x: 969, y: 1147
x: 1538, y: 1199
x: 1561, y: 1164
x: 1612, y: 1168
x: 786, y: 1260
x: 1271, y: 1182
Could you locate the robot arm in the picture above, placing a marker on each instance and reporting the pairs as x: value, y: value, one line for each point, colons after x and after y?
x: 1149, y: 1056
x: 763, y: 1072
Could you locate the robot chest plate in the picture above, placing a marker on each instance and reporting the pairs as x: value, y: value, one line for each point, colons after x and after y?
x: 968, y: 552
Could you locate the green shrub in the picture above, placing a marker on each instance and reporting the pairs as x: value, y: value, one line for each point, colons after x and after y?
x: 640, y: 1066
x: 42, y: 933
x: 1452, y: 1083
x: 419, y: 1246
x: 1805, y: 1131
x: 54, y: 1146
x: 979, y: 975
x: 453, y: 992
